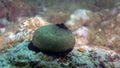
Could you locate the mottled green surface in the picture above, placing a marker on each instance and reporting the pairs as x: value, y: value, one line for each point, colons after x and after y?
x: 53, y: 38
x: 22, y: 57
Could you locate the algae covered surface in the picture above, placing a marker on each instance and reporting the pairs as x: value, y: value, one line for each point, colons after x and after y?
x: 53, y: 36
x: 21, y: 57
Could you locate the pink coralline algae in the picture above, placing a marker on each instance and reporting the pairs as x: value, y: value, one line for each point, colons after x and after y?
x: 26, y: 29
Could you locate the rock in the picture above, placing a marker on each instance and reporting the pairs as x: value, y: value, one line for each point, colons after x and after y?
x: 16, y: 9
x: 2, y: 10
x: 27, y: 27
x: 81, y: 35
x: 103, y: 5
x: 110, y: 33
x: 116, y: 64
x: 54, y: 39
x: 24, y: 30
x: 10, y: 38
x: 82, y: 17
x: 19, y: 57
x: 22, y: 57
x: 58, y: 18
x: 31, y: 24
x: 12, y: 10
x: 118, y: 18
x: 82, y: 61
x: 4, y: 22
x: 2, y: 28
x: 77, y: 19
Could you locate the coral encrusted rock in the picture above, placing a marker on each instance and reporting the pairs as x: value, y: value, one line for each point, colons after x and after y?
x: 54, y: 39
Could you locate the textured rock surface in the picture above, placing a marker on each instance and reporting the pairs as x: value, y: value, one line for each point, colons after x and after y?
x: 53, y: 38
x: 12, y: 10
x: 25, y: 29
x: 21, y: 57
x: 82, y: 17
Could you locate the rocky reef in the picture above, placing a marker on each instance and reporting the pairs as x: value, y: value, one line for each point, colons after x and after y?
x: 12, y: 10
x: 94, y: 23
x: 21, y: 56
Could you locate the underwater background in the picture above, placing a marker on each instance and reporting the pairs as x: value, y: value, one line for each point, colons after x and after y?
x: 94, y: 23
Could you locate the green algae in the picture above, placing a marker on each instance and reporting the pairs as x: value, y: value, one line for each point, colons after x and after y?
x: 21, y: 57
x: 53, y: 38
